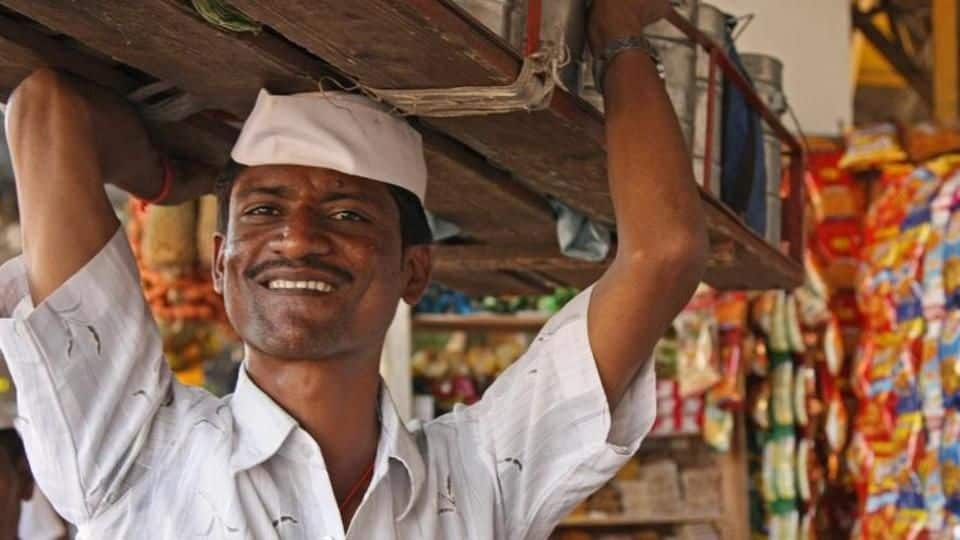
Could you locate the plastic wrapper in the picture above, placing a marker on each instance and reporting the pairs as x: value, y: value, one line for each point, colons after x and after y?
x: 782, y: 390
x: 838, y: 243
x: 794, y: 333
x: 949, y: 355
x: 768, y: 473
x: 717, y: 426
x: 835, y: 426
x: 779, y: 339
x: 833, y: 348
x: 804, y: 448
x: 801, y: 382
x: 696, y: 362
x: 762, y: 311
x: 871, y: 147
x: 760, y: 407
x: 169, y: 238
x: 929, y: 381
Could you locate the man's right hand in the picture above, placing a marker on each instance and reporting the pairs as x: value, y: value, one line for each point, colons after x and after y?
x: 67, y: 139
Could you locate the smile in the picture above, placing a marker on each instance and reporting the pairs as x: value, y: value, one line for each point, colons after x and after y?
x: 303, y: 285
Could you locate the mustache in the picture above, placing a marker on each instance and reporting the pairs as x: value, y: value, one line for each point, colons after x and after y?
x: 312, y: 262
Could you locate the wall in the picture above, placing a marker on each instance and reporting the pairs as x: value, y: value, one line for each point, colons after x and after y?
x: 812, y: 38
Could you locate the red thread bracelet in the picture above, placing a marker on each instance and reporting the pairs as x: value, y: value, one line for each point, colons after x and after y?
x: 167, y: 182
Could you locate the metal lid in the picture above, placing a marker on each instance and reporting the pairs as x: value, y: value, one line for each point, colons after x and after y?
x: 712, y: 22
x: 763, y: 68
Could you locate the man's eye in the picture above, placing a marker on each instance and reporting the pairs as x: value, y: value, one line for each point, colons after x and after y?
x: 262, y: 210
x: 347, y: 215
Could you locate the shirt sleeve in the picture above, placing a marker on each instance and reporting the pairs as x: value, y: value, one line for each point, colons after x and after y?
x: 548, y: 428
x: 88, y: 367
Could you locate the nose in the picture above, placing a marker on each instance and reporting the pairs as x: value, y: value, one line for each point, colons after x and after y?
x: 303, y: 234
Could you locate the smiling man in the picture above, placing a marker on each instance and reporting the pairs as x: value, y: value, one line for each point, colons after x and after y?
x: 322, y: 233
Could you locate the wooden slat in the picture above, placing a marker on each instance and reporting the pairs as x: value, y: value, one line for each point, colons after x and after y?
x: 557, y: 151
x: 166, y: 39
x: 554, y: 150
x: 946, y: 60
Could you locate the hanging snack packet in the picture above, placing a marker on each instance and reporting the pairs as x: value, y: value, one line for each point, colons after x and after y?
x: 872, y: 146
x: 949, y: 355
x: 833, y: 348
x: 779, y: 340
x: 930, y: 386
x: 782, y: 389
x: 794, y: 333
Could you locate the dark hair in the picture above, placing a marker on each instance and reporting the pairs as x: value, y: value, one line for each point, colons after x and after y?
x: 414, y: 230
x: 11, y: 443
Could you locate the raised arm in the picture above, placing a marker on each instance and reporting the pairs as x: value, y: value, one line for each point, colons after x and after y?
x: 662, y: 242
x: 85, y: 354
x: 67, y: 139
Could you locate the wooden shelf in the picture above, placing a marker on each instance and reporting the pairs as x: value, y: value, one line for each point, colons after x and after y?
x: 626, y: 520
x: 480, y: 321
x: 489, y: 174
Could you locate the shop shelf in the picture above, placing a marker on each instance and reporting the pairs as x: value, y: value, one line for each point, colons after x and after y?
x: 490, y: 174
x: 627, y: 520
x: 479, y: 321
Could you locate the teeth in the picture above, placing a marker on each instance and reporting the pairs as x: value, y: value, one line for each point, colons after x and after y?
x: 308, y: 285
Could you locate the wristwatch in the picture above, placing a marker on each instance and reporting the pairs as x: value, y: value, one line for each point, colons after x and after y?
x: 616, y: 47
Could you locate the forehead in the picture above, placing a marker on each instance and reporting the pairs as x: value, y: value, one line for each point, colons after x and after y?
x: 303, y: 181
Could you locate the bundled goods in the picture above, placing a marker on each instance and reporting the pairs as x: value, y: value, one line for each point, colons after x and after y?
x: 440, y: 299
x: 903, y: 446
x: 177, y: 282
x: 784, y: 412
x: 872, y: 146
x: 456, y: 368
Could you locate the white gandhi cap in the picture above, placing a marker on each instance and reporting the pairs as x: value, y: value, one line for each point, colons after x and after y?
x: 335, y: 130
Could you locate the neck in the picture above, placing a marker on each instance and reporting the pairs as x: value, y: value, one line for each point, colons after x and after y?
x: 335, y: 401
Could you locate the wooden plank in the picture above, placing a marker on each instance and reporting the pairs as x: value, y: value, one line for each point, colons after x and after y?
x: 946, y: 60
x: 916, y: 76
x: 166, y: 39
x: 555, y: 151
x: 558, y: 151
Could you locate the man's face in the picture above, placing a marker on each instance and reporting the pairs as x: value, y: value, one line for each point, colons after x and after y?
x: 312, y: 264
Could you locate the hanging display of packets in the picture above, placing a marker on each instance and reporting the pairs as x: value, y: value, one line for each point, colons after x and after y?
x: 906, y: 373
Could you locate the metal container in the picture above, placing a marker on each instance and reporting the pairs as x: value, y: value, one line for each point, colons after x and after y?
x: 494, y: 14
x: 766, y: 72
x: 774, y: 226
x: 679, y: 56
x: 563, y: 21
x: 773, y: 159
x: 712, y: 22
x: 767, y: 75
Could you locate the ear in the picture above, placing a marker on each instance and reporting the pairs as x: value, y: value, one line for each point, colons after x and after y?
x: 26, y: 479
x: 418, y: 264
x: 218, y: 242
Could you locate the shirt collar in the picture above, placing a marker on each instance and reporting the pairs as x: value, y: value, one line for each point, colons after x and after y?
x: 262, y: 426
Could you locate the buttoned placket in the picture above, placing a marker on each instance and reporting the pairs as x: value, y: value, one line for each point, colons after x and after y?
x: 305, y: 450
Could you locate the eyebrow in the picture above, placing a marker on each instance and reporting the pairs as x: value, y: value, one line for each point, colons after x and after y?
x: 287, y: 192
x: 274, y: 191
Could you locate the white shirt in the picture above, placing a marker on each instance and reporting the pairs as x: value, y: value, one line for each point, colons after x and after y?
x: 38, y: 521
x: 124, y: 451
